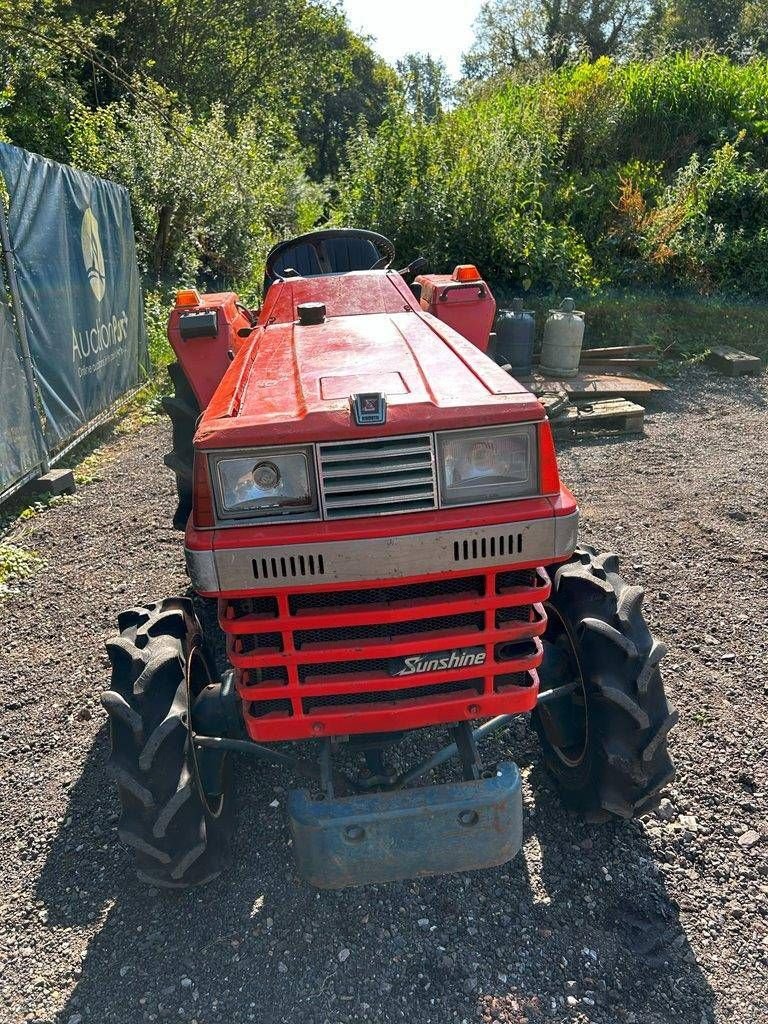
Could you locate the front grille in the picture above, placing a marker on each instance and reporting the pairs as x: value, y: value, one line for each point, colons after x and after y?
x: 454, y: 641
x: 378, y: 476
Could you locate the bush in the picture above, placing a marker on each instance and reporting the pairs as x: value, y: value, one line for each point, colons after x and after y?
x: 207, y: 201
x: 597, y: 174
x: 472, y: 187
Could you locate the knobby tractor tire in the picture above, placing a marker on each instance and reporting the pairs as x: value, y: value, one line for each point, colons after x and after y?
x: 184, y: 411
x: 179, y: 838
x: 606, y: 745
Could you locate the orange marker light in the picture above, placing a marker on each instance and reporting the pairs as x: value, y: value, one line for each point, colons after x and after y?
x: 466, y: 272
x: 188, y: 297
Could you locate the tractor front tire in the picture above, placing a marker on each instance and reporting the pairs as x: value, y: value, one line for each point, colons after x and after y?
x: 605, y: 744
x: 180, y: 837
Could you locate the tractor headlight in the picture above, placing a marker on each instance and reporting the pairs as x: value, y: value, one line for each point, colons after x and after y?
x: 491, y: 464
x: 266, y: 482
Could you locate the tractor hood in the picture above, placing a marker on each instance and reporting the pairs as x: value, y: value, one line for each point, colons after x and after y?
x: 293, y: 383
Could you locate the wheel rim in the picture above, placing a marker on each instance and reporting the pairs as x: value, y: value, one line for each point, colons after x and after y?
x: 198, y: 676
x: 565, y: 721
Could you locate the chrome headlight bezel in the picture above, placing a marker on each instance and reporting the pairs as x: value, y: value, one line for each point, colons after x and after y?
x: 275, y: 513
x: 488, y: 493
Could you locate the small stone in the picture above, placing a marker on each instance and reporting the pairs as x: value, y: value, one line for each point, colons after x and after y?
x: 282, y: 967
x: 728, y: 657
x: 688, y: 821
x: 124, y: 970
x: 423, y: 922
x: 666, y: 810
x: 344, y: 955
x: 75, y: 1018
x: 275, y: 803
x: 572, y: 1000
x: 749, y: 839
x: 186, y: 983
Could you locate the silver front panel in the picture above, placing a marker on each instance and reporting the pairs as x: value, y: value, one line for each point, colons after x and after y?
x: 421, y: 554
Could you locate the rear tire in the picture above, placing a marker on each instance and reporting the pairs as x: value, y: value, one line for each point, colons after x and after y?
x: 179, y: 837
x: 184, y: 412
x: 606, y: 744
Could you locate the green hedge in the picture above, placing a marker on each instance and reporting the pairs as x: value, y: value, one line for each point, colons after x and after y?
x: 599, y: 175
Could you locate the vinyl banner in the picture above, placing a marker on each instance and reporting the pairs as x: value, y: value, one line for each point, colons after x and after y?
x: 19, y: 445
x: 73, y: 244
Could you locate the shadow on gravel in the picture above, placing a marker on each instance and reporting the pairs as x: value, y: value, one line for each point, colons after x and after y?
x: 582, y: 918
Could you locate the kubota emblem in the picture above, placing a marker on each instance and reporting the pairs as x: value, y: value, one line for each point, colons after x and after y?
x: 93, y: 254
x: 369, y: 409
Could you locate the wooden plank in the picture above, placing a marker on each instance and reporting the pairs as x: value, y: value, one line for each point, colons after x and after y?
x: 607, y: 417
x: 618, y: 351
x: 603, y: 385
x: 733, y: 362
x: 598, y: 365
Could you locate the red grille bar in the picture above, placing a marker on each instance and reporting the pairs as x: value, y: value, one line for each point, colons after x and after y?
x: 318, y: 662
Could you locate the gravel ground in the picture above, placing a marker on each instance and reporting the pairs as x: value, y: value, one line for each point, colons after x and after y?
x: 664, y: 920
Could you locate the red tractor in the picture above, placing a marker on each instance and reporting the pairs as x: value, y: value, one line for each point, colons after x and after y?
x: 378, y: 537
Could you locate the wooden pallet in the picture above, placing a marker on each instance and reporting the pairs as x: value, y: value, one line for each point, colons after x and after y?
x: 614, y: 416
x: 598, y: 386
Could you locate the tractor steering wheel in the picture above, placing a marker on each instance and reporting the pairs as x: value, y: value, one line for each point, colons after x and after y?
x: 331, y: 251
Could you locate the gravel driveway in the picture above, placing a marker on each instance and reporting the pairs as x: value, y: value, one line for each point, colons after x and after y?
x: 651, y: 922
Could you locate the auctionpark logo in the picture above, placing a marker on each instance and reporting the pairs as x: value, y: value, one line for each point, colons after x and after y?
x: 100, y: 342
x: 93, y: 254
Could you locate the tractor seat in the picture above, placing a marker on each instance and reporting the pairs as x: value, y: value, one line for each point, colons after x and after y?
x: 342, y: 255
x: 330, y: 251
x: 301, y: 258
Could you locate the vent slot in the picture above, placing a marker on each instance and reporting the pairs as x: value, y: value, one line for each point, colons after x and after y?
x: 271, y: 708
x: 378, y: 476
x: 288, y: 567
x: 394, y: 698
x: 383, y: 596
x: 460, y: 627
x: 498, y: 545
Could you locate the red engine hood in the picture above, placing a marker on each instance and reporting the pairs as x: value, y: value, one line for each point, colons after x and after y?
x: 292, y: 383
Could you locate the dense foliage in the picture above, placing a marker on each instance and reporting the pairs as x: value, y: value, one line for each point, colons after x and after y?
x: 581, y: 149
x: 223, y: 118
x: 604, y: 173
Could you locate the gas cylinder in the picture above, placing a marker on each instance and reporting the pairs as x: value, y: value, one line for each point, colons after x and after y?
x: 563, y: 338
x: 515, y: 335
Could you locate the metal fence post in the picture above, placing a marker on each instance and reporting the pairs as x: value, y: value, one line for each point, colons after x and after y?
x: 21, y: 328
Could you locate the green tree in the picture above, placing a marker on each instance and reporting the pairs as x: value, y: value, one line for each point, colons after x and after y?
x: 206, y: 201
x: 427, y: 84
x: 513, y: 33
x: 726, y: 26
x: 41, y: 61
x: 296, y: 58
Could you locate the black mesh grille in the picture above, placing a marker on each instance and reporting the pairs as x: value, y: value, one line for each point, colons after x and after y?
x: 264, y: 606
x: 248, y: 643
x: 275, y: 675
x: 470, y: 687
x: 516, y: 578
x: 502, y: 683
x: 506, y: 615
x: 461, y: 624
x: 262, y: 708
x: 467, y: 586
x: 374, y: 667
